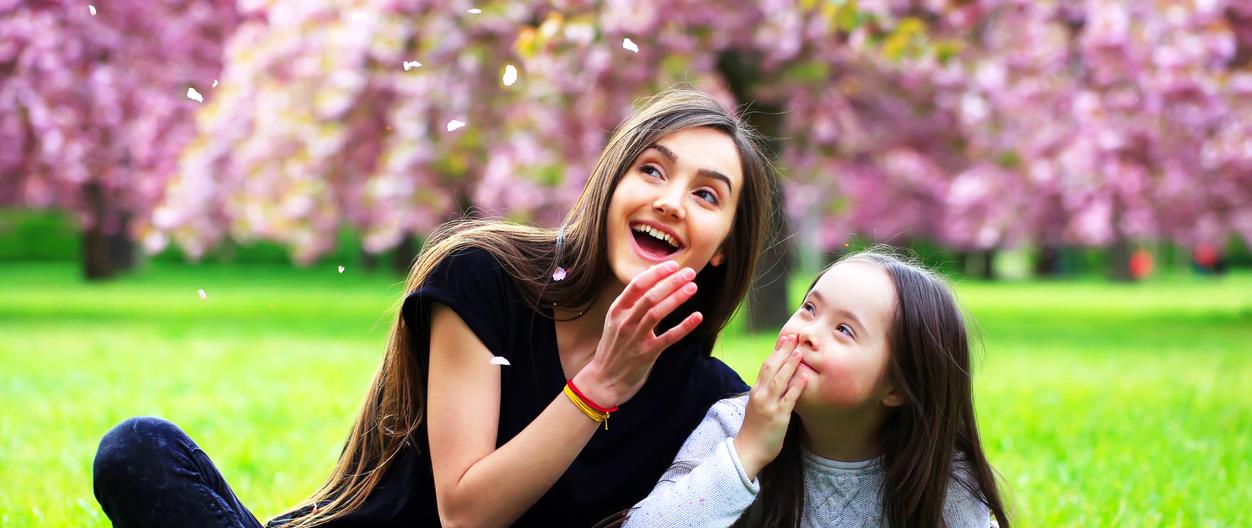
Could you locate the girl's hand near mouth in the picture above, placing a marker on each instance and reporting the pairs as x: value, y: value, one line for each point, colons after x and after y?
x: 770, y: 403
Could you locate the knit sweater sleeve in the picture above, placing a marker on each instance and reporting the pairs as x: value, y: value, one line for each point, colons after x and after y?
x: 961, y: 507
x: 706, y: 485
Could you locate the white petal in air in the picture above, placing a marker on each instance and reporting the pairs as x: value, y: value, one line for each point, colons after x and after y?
x: 474, y: 11
x: 203, y: 295
x: 629, y: 45
x: 215, y: 83
x: 510, y: 75
x: 500, y: 360
x: 340, y: 269
x: 194, y: 95
x: 408, y: 65
x: 92, y: 9
x: 454, y: 124
x: 559, y: 274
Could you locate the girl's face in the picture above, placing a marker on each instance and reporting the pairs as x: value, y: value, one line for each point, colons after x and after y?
x: 842, y: 330
x: 676, y: 202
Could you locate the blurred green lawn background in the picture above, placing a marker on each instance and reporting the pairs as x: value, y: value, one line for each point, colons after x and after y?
x: 1101, y: 404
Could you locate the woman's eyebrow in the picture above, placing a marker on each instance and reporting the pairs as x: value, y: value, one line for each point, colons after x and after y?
x: 843, y: 312
x: 705, y: 173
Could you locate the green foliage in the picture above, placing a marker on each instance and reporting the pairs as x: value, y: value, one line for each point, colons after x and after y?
x: 1101, y: 404
x: 34, y: 235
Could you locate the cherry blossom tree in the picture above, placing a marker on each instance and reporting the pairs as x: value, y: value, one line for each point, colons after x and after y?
x: 94, y: 108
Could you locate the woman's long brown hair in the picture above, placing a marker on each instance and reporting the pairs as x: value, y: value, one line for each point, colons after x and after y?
x: 930, y: 365
x: 395, y: 404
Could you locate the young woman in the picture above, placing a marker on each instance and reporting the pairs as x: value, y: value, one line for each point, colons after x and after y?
x: 534, y: 376
x: 875, y: 365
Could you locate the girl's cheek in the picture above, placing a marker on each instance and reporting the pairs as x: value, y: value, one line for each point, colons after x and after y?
x: 841, y: 388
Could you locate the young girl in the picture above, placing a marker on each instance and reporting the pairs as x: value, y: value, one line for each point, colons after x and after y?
x: 517, y: 345
x: 875, y: 366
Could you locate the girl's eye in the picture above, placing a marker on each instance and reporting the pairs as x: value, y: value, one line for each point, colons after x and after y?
x: 808, y: 307
x: 707, y: 195
x: 651, y: 170
x: 846, y: 330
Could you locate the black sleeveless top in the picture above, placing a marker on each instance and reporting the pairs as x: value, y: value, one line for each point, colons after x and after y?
x: 616, y: 469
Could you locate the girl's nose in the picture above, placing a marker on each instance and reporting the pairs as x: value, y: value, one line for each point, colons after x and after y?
x: 807, y: 337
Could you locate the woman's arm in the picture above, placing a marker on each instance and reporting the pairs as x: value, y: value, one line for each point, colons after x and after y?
x: 479, y: 485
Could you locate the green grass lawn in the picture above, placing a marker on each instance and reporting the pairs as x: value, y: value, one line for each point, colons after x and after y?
x: 1101, y: 404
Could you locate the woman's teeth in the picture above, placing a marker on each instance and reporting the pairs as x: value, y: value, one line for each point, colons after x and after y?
x: 657, y: 234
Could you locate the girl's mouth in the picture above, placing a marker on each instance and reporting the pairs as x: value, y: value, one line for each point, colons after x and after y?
x: 652, y: 243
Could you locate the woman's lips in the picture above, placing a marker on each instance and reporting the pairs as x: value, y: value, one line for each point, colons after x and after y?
x: 646, y: 255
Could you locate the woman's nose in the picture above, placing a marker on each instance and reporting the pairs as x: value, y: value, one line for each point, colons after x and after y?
x: 669, y: 203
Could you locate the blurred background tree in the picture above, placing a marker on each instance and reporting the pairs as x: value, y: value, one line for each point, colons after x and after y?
x: 93, y: 111
x: 972, y: 126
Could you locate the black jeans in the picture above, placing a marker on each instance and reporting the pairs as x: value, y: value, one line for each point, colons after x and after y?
x: 148, y: 472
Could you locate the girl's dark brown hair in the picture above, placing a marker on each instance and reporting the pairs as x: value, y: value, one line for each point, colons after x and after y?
x: 395, y: 404
x: 930, y: 365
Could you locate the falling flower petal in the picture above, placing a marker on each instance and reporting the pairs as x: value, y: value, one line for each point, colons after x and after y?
x: 559, y: 274
x: 194, y: 95
x: 203, y: 295
x: 500, y: 360
x: 408, y: 65
x: 510, y: 75
x: 629, y: 45
x: 340, y: 269
x: 92, y: 9
x: 455, y: 124
x: 474, y: 11
x: 215, y: 83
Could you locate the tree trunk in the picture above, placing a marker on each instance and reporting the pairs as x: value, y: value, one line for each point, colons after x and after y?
x: 107, y: 246
x: 1119, y: 260
x: 979, y: 264
x: 369, y: 261
x: 768, y: 306
x: 1048, y: 261
x: 402, y: 256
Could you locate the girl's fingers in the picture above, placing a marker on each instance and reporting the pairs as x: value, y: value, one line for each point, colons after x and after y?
x: 784, y: 345
x: 788, y: 369
x: 794, y: 389
x: 643, y: 282
x: 675, y: 334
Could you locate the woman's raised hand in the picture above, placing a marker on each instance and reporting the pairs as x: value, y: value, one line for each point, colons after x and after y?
x: 769, y: 407
x: 629, y: 346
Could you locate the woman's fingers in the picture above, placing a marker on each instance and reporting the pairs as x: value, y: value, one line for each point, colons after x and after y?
x: 659, y: 292
x: 667, y: 305
x: 644, y: 282
x: 675, y: 334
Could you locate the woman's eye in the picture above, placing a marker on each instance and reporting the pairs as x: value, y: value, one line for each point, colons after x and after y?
x: 846, y: 330
x: 707, y: 195
x: 651, y: 170
x: 808, y: 307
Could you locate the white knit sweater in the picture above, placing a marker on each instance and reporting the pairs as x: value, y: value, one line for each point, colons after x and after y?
x: 707, y: 487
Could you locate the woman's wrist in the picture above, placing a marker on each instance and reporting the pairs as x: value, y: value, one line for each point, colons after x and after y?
x: 596, y: 388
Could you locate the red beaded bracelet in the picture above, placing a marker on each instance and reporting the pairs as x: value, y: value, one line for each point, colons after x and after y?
x: 594, y: 406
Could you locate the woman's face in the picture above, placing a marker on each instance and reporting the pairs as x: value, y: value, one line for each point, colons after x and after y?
x: 676, y: 202
x: 841, y: 329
